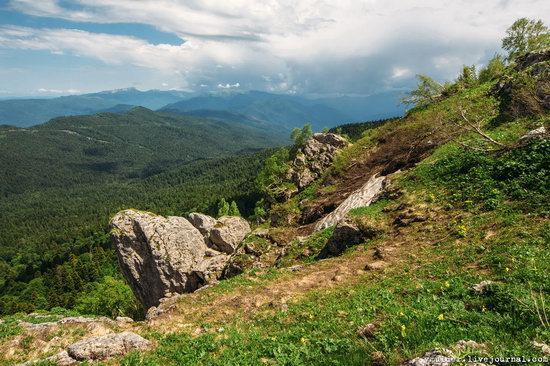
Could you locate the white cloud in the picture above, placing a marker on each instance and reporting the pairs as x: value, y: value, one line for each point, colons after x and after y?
x: 58, y: 91
x: 316, y: 45
x: 399, y: 72
x: 229, y: 86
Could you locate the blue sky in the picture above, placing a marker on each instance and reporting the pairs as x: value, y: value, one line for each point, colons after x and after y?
x: 55, y: 47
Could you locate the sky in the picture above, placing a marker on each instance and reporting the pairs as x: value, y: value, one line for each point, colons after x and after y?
x: 351, y: 47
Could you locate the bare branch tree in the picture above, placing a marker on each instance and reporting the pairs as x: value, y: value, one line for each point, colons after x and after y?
x: 475, y: 126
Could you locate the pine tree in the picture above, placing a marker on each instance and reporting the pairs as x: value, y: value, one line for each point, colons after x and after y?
x: 223, y: 208
x: 234, y: 209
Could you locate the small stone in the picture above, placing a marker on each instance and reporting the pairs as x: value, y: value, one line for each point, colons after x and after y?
x: 368, y: 330
x: 538, y: 133
x: 442, y: 357
x: 462, y: 345
x: 545, y: 349
x: 379, y: 253
x: 103, y: 347
x: 377, y: 265
x: 482, y: 287
x: 294, y: 268
x: 261, y: 233
x: 378, y: 358
x: 124, y: 319
x: 338, y: 278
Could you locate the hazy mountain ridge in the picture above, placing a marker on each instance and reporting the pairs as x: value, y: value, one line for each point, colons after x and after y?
x: 279, y: 110
x: 34, y: 111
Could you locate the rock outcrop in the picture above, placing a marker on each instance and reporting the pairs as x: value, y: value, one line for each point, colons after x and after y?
x: 362, y: 197
x: 159, y: 255
x: 314, y: 157
x: 109, y: 345
x: 163, y: 255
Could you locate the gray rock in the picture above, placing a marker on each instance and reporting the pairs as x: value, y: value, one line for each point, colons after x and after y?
x: 442, y: 357
x: 464, y: 345
x: 202, y: 222
x: 482, y: 287
x: 362, y: 197
x: 261, y: 233
x: 229, y: 232
x: 159, y: 255
x: 103, y: 347
x: 32, y: 327
x: 84, y: 320
x: 124, y: 319
x: 345, y: 235
x: 539, y: 133
x: 331, y: 139
x: 543, y: 347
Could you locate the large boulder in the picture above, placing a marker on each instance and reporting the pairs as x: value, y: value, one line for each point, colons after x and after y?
x: 109, y: 345
x: 160, y: 255
x: 228, y: 233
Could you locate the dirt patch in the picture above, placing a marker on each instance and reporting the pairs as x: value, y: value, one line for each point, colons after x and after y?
x: 400, y: 146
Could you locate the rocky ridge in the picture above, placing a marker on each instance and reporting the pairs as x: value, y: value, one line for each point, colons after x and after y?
x: 314, y: 157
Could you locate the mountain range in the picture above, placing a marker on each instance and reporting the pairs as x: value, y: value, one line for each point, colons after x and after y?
x: 277, y: 111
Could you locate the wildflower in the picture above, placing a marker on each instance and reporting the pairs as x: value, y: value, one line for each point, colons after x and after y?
x: 447, y: 284
x: 441, y: 317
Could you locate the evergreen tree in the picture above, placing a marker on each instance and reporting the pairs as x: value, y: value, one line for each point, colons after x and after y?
x: 234, y: 209
x: 223, y: 208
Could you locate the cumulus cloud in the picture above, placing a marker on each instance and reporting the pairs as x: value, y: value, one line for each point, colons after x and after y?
x: 308, y: 46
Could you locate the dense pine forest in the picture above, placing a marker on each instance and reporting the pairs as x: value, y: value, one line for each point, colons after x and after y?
x: 61, y: 181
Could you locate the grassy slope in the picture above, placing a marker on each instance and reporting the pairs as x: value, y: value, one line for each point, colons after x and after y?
x: 422, y: 296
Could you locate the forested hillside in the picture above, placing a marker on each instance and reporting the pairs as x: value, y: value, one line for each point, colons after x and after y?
x: 61, y: 181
